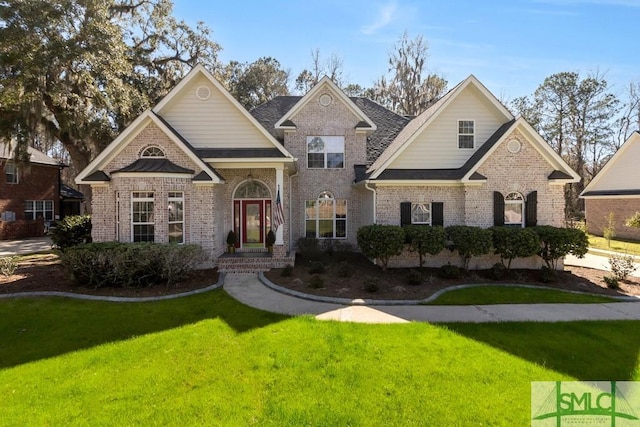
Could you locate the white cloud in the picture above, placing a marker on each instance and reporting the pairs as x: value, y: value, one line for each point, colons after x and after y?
x: 385, y: 16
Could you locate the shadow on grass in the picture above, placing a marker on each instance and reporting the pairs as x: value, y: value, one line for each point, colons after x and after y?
x: 584, y: 350
x: 39, y: 328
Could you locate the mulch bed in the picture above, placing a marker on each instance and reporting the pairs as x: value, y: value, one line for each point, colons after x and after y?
x: 45, y: 273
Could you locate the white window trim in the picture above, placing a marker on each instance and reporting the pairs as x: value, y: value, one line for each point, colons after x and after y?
x: 148, y: 147
x: 344, y: 156
x: 515, y: 202
x: 430, y: 214
x: 473, y: 135
x: 15, y: 173
x: 44, y: 210
x: 182, y: 221
x: 317, y: 218
x: 142, y: 199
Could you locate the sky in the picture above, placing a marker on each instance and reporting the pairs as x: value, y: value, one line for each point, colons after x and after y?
x: 511, y: 46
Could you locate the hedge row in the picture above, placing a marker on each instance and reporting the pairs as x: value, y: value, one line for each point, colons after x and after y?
x: 381, y: 242
x: 115, y: 264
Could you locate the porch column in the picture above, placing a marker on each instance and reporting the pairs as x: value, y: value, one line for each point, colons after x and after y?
x: 280, y: 185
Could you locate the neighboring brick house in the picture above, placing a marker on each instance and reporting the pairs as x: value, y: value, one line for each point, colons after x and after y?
x: 29, y: 194
x: 615, y: 189
x: 198, y: 165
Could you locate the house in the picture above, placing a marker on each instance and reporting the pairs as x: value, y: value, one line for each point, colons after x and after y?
x: 615, y: 189
x: 198, y: 165
x: 29, y: 193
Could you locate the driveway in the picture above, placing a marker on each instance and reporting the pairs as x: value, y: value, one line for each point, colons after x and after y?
x: 25, y: 246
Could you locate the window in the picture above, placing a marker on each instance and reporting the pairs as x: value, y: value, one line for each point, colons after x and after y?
x: 152, y: 152
x: 421, y: 213
x: 325, y: 152
x: 465, y: 133
x: 514, y: 209
x: 142, y: 217
x: 11, y: 172
x: 38, y: 208
x: 176, y: 217
x: 326, y: 217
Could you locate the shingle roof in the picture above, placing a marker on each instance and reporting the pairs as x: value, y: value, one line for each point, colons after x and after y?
x: 70, y: 193
x: 632, y: 192
x: 154, y: 165
x: 97, y: 176
x: 389, y: 123
x: 559, y: 175
x: 7, y: 151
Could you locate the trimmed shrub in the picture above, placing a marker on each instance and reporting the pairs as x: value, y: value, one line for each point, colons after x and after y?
x: 381, y: 242
x: 71, y: 231
x: 514, y: 242
x: 556, y: 243
x: 114, y: 264
x: 287, y: 271
x: 316, y: 267
x: 425, y: 239
x: 414, y: 277
x: 371, y: 285
x: 344, y: 269
x: 8, y: 265
x: 469, y: 241
x: 309, y: 248
x: 316, y: 282
x: 449, y: 271
x: 612, y: 282
x: 633, y: 221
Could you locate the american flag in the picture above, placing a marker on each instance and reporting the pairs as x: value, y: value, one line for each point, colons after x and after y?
x: 278, y: 214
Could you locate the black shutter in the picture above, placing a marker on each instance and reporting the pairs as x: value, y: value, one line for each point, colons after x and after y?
x: 405, y: 213
x: 498, y: 208
x: 437, y: 213
x: 531, y: 209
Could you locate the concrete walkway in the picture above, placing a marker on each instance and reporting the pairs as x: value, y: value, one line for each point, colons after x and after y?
x: 594, y: 260
x: 25, y: 246
x: 250, y: 291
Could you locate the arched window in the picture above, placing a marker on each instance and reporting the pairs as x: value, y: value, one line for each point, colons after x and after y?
x: 514, y: 209
x: 153, y: 152
x: 326, y: 217
x: 252, y: 189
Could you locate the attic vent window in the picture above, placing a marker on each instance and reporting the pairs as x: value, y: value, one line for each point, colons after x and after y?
x: 514, y: 146
x: 203, y: 93
x: 153, y: 152
x: 325, y: 99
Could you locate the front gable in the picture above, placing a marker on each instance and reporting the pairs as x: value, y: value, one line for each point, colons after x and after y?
x: 430, y: 141
x: 621, y: 175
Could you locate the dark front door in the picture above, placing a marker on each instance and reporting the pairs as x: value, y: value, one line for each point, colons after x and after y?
x: 253, y: 223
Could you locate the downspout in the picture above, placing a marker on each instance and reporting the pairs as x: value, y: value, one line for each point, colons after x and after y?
x: 373, y: 190
x: 290, y: 211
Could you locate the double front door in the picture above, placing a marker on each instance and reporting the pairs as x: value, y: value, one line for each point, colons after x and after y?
x: 252, y: 221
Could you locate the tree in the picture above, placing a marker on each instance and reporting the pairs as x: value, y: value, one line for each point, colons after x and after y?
x: 79, y: 71
x: 256, y: 83
x: 409, y: 89
x: 575, y: 116
x: 633, y: 221
x: 332, y: 68
x: 425, y: 239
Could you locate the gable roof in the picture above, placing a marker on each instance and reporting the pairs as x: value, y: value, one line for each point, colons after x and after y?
x: 388, y: 123
x: 325, y: 83
x: 609, y: 167
x: 418, y: 124
x: 89, y: 174
x: 199, y: 70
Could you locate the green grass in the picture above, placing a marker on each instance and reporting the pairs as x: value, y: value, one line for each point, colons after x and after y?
x: 632, y: 248
x: 208, y: 360
x: 479, y: 295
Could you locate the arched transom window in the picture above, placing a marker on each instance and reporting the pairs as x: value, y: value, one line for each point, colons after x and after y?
x: 152, y: 151
x: 514, y: 209
x: 326, y: 217
x: 252, y: 190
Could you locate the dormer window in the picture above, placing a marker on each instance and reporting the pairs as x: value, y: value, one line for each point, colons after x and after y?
x: 152, y: 152
x: 466, y: 130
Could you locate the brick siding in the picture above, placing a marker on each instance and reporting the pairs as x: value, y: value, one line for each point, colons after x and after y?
x: 597, y: 214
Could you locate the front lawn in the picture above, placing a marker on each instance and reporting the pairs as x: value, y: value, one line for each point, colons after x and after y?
x: 208, y: 360
x: 629, y: 247
x: 480, y: 295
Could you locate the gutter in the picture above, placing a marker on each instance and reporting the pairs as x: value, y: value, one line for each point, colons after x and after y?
x: 373, y: 190
x: 290, y: 211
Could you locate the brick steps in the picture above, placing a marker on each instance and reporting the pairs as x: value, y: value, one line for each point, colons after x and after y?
x: 247, y: 264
